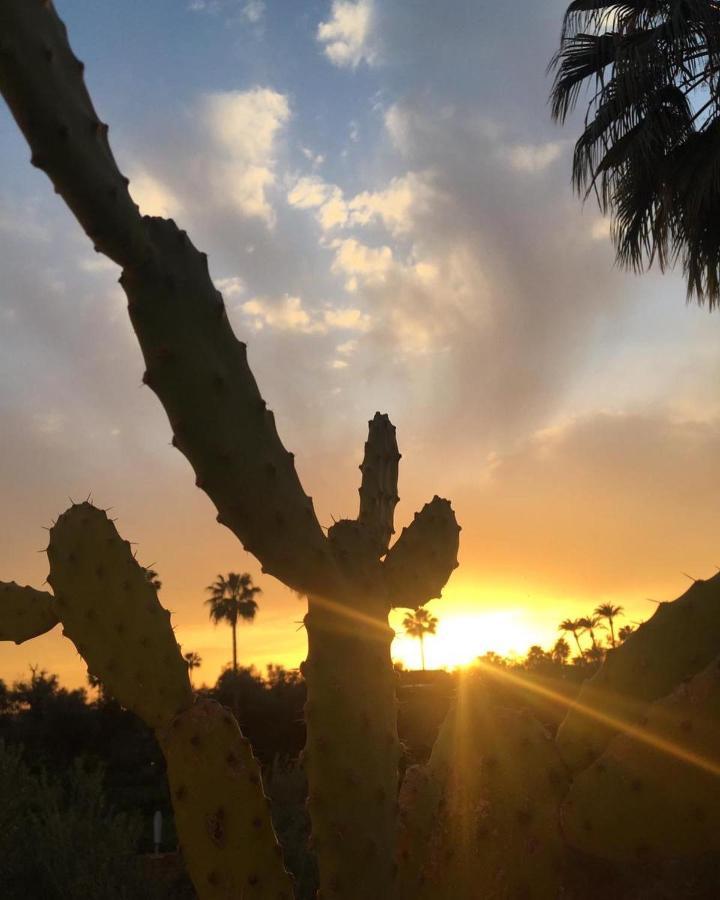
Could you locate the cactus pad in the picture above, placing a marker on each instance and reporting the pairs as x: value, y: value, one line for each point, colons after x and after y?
x: 420, y: 562
x: 655, y: 794
x: 221, y: 813
x: 496, y: 831
x: 111, y: 612
x: 676, y: 643
x: 24, y: 612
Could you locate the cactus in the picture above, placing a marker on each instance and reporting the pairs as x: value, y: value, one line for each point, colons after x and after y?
x: 482, y: 818
x: 220, y: 809
x: 200, y: 373
x: 24, y: 612
x: 679, y: 640
x: 654, y: 794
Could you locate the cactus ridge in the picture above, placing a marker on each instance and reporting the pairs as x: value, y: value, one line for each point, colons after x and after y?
x: 655, y: 795
x: 25, y: 613
x: 107, y: 605
x: 679, y: 640
x: 220, y: 809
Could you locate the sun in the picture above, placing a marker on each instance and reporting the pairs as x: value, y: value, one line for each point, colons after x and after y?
x: 463, y: 636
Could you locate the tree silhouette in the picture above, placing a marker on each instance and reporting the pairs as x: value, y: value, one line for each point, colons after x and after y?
x: 625, y: 632
x: 417, y: 624
x: 232, y: 598
x: 560, y: 651
x: 650, y: 149
x: 193, y: 660
x: 609, y: 612
x: 574, y: 627
x: 590, y: 623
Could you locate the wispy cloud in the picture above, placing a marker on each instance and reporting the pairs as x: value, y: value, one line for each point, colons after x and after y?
x: 347, y: 37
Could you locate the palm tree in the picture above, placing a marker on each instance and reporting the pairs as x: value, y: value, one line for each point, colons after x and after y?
x: 609, y: 612
x: 625, y: 632
x: 650, y: 148
x: 417, y: 624
x: 590, y: 623
x: 560, y: 651
x: 193, y: 660
x: 232, y: 598
x: 573, y: 627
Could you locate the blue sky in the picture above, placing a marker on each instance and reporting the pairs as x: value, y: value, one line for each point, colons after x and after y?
x: 387, y: 209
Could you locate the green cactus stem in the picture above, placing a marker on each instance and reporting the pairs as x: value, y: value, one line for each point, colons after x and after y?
x: 220, y: 809
x: 111, y: 612
x: 654, y: 794
x: 679, y: 640
x: 24, y: 612
x: 484, y: 820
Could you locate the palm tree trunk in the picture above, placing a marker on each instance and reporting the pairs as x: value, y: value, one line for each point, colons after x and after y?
x: 422, y: 650
x: 612, y: 631
x: 234, y: 634
x: 577, y: 641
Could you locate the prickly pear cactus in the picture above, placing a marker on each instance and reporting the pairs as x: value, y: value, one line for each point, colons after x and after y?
x: 110, y: 611
x: 494, y: 828
x: 220, y: 809
x: 678, y: 641
x: 654, y: 794
x: 24, y: 612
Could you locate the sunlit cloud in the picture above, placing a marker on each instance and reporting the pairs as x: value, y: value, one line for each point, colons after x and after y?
x: 347, y: 37
x: 289, y: 314
x: 243, y: 127
x: 534, y: 158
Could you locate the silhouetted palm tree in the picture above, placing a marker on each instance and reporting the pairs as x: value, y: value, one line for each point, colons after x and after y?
x: 573, y: 627
x: 609, y: 612
x: 590, y: 623
x: 233, y: 598
x: 625, y: 632
x: 560, y: 651
x: 193, y: 660
x: 650, y: 149
x: 417, y: 624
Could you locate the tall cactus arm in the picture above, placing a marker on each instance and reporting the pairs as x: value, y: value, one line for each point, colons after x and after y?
x: 378, y: 489
x: 194, y: 363
x: 24, y: 612
x: 420, y: 562
x: 41, y: 80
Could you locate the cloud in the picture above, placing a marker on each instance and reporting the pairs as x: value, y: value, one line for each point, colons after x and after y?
x: 152, y: 196
x: 289, y: 314
x: 535, y: 158
x: 348, y: 35
x: 253, y: 11
x: 243, y: 127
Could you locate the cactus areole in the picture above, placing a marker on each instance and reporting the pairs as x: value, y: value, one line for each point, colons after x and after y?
x: 351, y: 575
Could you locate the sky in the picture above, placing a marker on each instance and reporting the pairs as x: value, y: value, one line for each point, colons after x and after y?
x: 387, y: 208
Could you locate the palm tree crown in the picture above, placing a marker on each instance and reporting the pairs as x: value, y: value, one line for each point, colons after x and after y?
x: 650, y: 148
x: 609, y: 612
x: 232, y: 598
x: 417, y: 624
x: 573, y: 627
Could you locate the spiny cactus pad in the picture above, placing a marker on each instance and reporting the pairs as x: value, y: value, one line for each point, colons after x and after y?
x: 655, y: 794
x: 24, y: 612
x: 420, y: 562
x: 679, y: 640
x: 496, y: 832
x: 221, y: 812
x: 110, y: 611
